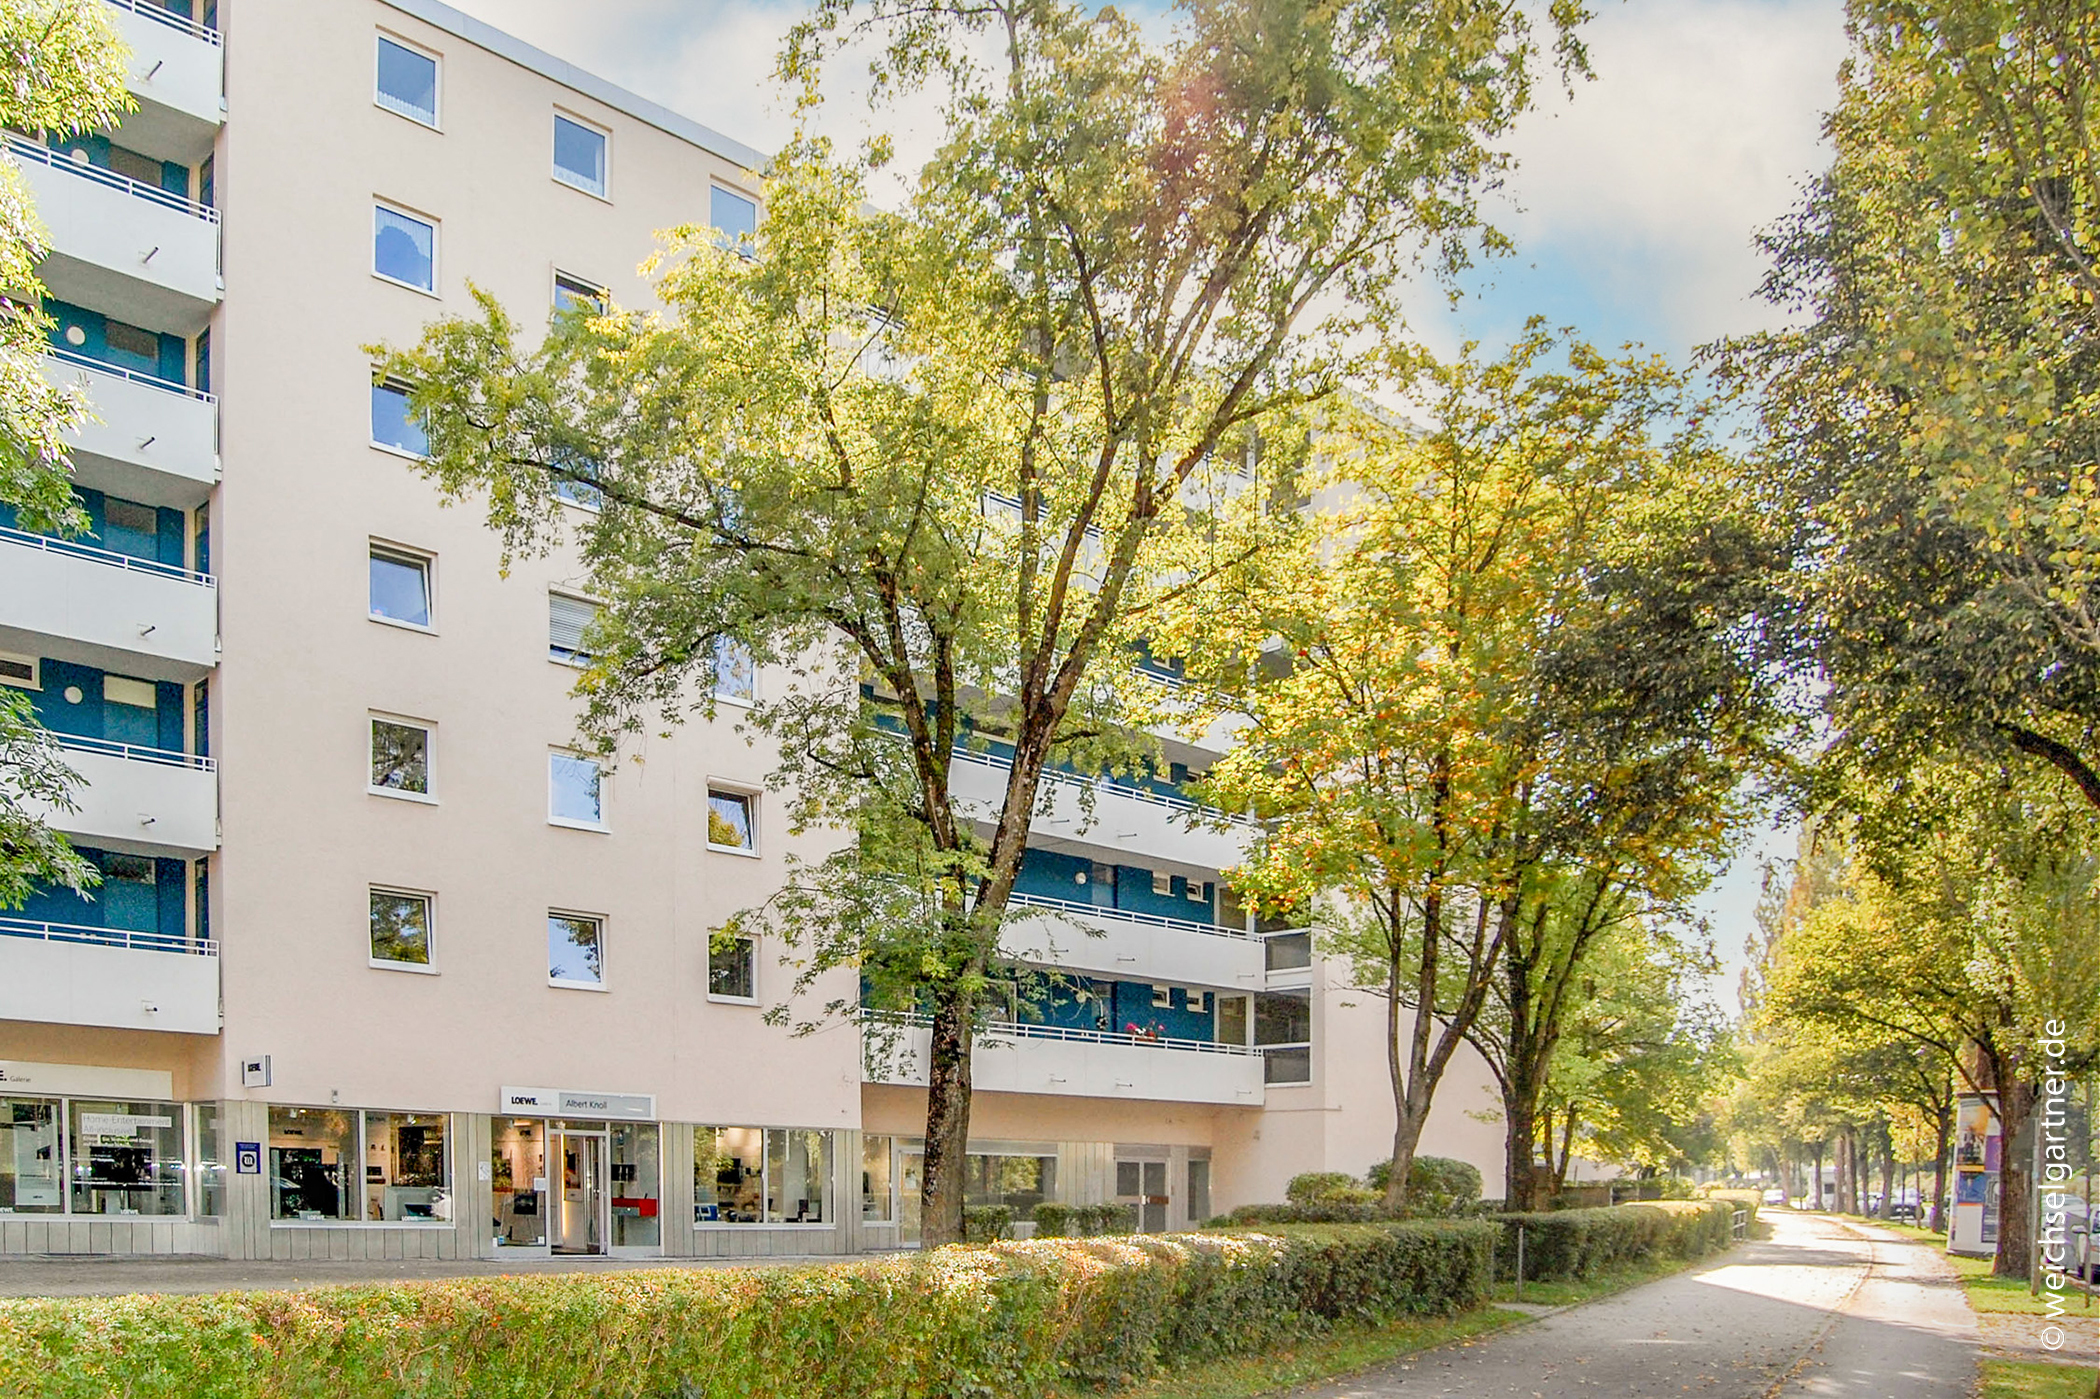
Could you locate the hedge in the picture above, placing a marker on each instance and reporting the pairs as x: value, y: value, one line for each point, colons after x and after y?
x: 1564, y: 1244
x: 1008, y: 1319
x: 1056, y: 1221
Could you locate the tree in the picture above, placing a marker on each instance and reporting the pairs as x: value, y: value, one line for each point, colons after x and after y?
x: 66, y: 75
x: 1934, y: 416
x: 1515, y: 693
x: 949, y: 460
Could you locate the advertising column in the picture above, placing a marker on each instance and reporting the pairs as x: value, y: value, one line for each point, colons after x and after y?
x: 1978, y: 1152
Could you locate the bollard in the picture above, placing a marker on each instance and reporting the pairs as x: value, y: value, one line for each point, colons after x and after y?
x: 1520, y: 1263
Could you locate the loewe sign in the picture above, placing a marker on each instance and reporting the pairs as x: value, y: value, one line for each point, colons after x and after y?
x: 571, y: 1102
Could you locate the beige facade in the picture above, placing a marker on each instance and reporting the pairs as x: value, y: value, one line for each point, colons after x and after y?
x: 212, y: 1058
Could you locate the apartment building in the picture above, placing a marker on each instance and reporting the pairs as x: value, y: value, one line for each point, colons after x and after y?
x: 380, y: 965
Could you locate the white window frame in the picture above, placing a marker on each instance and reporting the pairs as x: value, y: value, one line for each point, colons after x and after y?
x: 405, y: 554
x: 751, y: 951
x: 559, y: 275
x: 750, y: 796
x: 601, y: 825
x: 430, y: 924
x: 604, y: 132
x: 758, y: 208
x: 581, y: 660
x: 1162, y: 997
x: 604, y: 981
x: 436, y: 123
x: 723, y: 696
x: 1162, y: 884
x: 429, y: 728
x: 437, y: 246
x: 36, y: 671
x: 391, y: 383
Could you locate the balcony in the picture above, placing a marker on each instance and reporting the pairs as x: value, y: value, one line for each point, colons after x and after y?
x: 65, y: 975
x: 114, y: 608
x: 146, y: 439
x: 178, y: 73
x: 1125, y: 818
x: 129, y: 249
x: 140, y: 799
x: 1079, y: 1063
x: 1134, y: 946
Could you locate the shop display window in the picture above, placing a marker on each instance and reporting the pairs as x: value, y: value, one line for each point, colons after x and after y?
x: 127, y: 1158
x: 312, y: 1151
x: 877, y: 1155
x: 637, y: 1175
x: 211, y: 1163
x: 518, y: 1169
x: 751, y: 1175
x: 405, y: 1175
x: 798, y: 1177
x: 30, y: 1179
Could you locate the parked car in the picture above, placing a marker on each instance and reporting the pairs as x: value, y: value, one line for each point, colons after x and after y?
x: 1775, y: 1196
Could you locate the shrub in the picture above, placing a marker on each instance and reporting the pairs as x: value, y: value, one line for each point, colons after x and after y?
x: 1565, y: 1244
x: 1006, y: 1319
x: 1327, y: 1188
x: 1437, y: 1186
x: 1104, y: 1219
x: 1340, y: 1212
x: 1052, y: 1220
x: 987, y: 1224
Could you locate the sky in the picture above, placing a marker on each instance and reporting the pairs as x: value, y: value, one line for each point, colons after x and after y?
x: 1635, y: 203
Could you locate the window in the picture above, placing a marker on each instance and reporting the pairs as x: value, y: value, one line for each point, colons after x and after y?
x: 399, y: 587
x: 400, y: 929
x: 118, y: 689
x: 31, y: 1181
x: 736, y: 216
x: 1162, y: 884
x: 313, y: 1161
x: 752, y: 1175
x: 732, y: 968
x: 407, y: 82
x: 579, y: 493
x: 404, y: 248
x: 569, y: 619
x: 575, y: 294
x: 1288, y: 951
x: 736, y: 674
x: 1020, y: 1182
x: 24, y: 671
x: 579, y: 155
x: 127, y: 1158
x: 1162, y: 997
x: 1283, y: 1030
x: 211, y: 1163
x: 400, y: 758
x: 405, y: 1175
x: 876, y: 1174
x: 1232, y: 1018
x: 575, y: 951
x: 729, y: 821
x: 575, y: 791
x: 393, y: 426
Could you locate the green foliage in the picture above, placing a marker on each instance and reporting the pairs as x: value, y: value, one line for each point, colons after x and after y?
x: 1567, y: 1244
x: 1326, y: 1187
x: 1052, y: 1220
x: 1007, y: 1320
x: 1107, y: 1218
x: 1436, y: 1185
x: 987, y: 1224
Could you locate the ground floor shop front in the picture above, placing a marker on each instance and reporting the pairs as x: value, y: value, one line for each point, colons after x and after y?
x: 111, y: 1161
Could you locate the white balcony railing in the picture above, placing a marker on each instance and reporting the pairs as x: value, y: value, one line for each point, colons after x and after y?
x: 58, y: 973
x: 145, y: 438
x: 178, y: 71
x: 116, y: 607
x: 140, y: 796
x: 127, y: 248
x: 1124, y: 817
x: 1048, y: 1059
x: 1077, y: 937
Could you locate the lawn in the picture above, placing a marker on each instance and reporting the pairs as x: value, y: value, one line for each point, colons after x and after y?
x: 1348, y: 1349
x: 2019, y: 1379
x: 1990, y: 1294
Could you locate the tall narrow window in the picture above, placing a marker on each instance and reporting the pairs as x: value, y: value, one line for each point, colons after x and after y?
x: 400, y: 929
x: 579, y: 155
x: 404, y: 248
x: 575, y: 294
x: 393, y: 426
x: 400, y: 758
x: 407, y: 82
x: 575, y: 951
x: 575, y: 791
x: 736, y: 674
x: 569, y: 620
x: 736, y: 216
x: 399, y: 587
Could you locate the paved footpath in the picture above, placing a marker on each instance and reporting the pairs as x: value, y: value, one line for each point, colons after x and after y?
x: 1822, y: 1309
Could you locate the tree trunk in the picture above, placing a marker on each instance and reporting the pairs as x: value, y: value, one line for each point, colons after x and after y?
x: 1888, y: 1174
x: 1818, y: 1158
x: 947, y: 1123
x: 2015, y: 1176
x: 1519, y: 1146
x: 1942, y: 1129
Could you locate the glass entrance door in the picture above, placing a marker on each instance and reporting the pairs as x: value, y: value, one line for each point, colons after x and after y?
x: 1143, y: 1186
x: 581, y: 1199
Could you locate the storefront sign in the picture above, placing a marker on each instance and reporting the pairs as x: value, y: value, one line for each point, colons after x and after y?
x: 247, y: 1158
x: 572, y: 1102
x: 21, y: 1076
